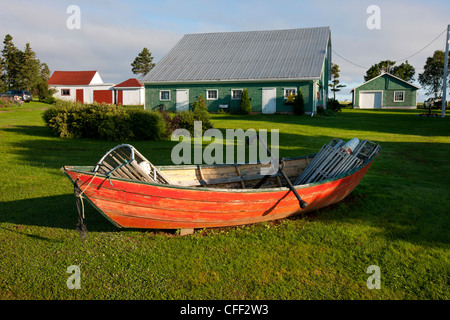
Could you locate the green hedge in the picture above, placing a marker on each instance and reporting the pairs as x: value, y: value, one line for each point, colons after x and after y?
x: 110, y: 122
x: 103, y: 121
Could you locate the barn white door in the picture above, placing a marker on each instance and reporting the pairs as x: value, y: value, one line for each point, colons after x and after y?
x: 370, y: 100
x: 269, y: 100
x: 182, y: 100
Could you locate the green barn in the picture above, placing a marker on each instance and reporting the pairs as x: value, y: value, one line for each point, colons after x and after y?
x: 271, y: 65
x: 385, y: 92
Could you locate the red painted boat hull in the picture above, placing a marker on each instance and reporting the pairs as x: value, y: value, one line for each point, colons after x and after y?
x: 133, y: 204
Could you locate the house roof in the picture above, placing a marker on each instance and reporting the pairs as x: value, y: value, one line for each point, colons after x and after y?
x: 252, y: 55
x: 130, y: 83
x: 387, y: 74
x: 71, y: 77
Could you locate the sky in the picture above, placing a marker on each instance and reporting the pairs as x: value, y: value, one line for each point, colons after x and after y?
x: 108, y: 35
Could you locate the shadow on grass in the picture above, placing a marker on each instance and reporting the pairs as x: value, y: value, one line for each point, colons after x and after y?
x: 52, y: 212
x: 41, y: 149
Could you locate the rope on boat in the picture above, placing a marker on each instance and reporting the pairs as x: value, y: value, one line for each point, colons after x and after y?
x: 81, y: 227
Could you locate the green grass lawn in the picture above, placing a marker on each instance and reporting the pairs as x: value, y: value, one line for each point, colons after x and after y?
x: 396, y: 219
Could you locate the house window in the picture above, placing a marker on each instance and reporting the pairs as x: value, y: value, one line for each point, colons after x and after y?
x: 236, y: 94
x: 164, y: 95
x: 289, y: 91
x: 399, y: 96
x: 65, y: 92
x: 211, y: 94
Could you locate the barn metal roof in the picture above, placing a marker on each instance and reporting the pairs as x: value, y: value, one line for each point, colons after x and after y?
x: 250, y: 55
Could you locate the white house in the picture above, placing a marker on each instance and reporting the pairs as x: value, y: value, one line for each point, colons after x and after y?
x: 83, y: 86
x: 130, y: 92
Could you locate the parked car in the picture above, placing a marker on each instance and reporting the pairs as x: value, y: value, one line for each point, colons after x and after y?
x: 23, y: 95
x: 434, y: 103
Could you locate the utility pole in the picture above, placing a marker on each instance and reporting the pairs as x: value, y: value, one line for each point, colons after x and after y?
x: 444, y: 85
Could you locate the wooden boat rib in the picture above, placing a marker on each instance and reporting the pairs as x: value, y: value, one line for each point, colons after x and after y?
x: 192, y: 196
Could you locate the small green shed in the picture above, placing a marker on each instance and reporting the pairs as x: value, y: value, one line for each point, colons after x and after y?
x: 385, y: 91
x: 272, y: 65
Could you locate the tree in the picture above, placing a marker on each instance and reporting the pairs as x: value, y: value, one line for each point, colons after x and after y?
x: 43, y: 91
x: 379, y: 68
x: 23, y: 70
x: 433, y: 73
x: 11, y: 63
x: 404, y: 71
x: 143, y: 63
x: 299, y: 103
x: 2, y: 85
x: 335, y: 86
x: 29, y: 69
x: 245, y: 105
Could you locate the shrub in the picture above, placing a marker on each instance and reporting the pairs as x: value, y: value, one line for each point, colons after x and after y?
x: 246, y: 107
x: 198, y: 113
x: 102, y: 121
x: 321, y: 111
x: 147, y: 125
x: 199, y: 104
x: 8, y: 102
x: 115, y: 124
x: 299, y: 103
x: 5, y: 103
x: 333, y: 105
x: 171, y: 122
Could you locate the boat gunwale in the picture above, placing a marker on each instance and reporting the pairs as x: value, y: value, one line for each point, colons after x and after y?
x: 77, y: 169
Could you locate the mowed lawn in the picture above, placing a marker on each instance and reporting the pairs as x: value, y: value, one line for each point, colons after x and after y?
x: 396, y: 219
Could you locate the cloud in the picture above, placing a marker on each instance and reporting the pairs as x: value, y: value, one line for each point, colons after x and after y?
x: 100, y: 44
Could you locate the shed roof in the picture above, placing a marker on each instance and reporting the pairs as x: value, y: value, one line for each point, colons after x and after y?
x: 130, y: 83
x: 250, y: 55
x: 71, y: 77
x: 390, y: 75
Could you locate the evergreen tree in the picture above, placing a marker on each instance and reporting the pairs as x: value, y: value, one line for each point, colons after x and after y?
x: 143, y: 63
x: 335, y: 86
x: 43, y: 91
x: 299, y: 103
x: 2, y: 85
x: 29, y: 69
x: 246, y: 107
x: 11, y: 63
x: 22, y: 70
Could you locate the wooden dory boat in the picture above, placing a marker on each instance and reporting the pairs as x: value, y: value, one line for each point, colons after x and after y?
x: 201, y: 196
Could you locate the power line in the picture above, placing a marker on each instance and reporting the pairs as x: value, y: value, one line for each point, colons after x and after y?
x: 445, y: 30
x: 348, y: 60
x: 395, y: 61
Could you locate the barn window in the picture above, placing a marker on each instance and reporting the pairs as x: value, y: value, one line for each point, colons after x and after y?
x: 399, y: 96
x: 65, y: 92
x: 236, y: 94
x: 164, y: 95
x: 289, y: 91
x: 211, y: 94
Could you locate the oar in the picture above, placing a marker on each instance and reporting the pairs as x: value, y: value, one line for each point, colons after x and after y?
x: 302, y: 203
